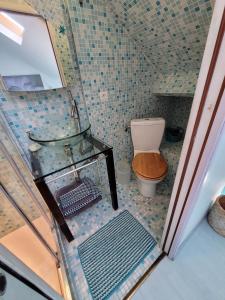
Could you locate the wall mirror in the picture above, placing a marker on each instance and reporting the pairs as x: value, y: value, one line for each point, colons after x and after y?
x: 27, y: 58
x: 28, y: 61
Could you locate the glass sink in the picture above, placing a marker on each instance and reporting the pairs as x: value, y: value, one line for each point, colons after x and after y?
x: 49, y: 160
x: 52, y: 155
x: 61, y: 138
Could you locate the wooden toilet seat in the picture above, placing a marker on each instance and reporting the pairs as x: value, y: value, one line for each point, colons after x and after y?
x: 150, y: 166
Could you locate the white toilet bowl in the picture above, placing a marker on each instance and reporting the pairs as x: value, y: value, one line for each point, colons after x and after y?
x: 147, y: 187
x: 150, y: 169
x: 148, y: 164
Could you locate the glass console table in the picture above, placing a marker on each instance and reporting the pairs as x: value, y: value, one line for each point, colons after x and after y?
x: 51, y: 160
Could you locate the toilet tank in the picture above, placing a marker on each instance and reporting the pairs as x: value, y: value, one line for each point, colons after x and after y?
x: 147, y: 133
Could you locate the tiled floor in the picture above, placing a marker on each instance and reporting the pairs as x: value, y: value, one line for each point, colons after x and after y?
x: 150, y: 212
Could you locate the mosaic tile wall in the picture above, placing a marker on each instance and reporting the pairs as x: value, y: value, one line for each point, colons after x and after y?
x: 110, y: 61
x: 171, y: 35
x: 176, y: 110
x: 111, y: 38
x: 113, y: 49
x: 177, y: 83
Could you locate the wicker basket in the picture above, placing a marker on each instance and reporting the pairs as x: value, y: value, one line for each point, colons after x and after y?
x: 216, y: 216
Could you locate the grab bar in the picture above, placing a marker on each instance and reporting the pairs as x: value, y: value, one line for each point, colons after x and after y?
x: 75, y: 170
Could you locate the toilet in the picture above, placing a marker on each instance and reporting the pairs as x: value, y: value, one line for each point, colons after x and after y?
x: 148, y: 164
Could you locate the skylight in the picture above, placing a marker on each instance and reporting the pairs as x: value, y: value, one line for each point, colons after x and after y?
x: 10, y: 28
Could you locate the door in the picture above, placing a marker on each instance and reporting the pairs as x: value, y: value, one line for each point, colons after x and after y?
x: 207, y: 107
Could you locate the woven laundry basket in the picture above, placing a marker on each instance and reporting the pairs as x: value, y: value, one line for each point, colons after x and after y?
x: 216, y: 216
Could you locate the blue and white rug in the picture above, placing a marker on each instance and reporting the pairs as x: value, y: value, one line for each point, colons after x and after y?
x: 110, y: 255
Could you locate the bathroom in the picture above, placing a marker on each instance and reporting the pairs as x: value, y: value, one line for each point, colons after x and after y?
x: 118, y: 61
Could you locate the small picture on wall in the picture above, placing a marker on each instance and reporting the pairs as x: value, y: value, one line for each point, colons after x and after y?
x: 23, y: 82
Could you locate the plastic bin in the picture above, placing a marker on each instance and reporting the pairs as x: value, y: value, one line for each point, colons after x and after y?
x: 123, y: 172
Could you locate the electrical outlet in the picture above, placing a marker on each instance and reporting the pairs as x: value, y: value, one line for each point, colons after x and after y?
x: 103, y: 96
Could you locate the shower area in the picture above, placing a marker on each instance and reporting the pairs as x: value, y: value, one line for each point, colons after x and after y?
x: 25, y: 221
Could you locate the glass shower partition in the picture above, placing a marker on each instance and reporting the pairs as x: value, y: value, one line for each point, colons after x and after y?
x: 25, y: 221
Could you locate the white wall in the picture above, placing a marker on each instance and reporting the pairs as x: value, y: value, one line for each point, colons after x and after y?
x: 211, y: 187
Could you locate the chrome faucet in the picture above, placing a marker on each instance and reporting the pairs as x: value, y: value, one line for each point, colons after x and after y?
x: 74, y: 113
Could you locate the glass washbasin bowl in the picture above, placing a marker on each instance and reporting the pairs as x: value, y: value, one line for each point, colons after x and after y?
x: 59, y: 138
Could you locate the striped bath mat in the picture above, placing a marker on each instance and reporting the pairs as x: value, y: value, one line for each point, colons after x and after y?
x: 113, y: 252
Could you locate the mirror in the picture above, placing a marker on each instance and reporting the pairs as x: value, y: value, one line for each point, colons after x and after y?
x: 27, y: 58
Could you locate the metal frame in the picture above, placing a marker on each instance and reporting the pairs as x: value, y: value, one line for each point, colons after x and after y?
x: 112, y: 178
x: 54, y: 208
x: 108, y: 152
x: 73, y: 171
x: 28, y: 222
